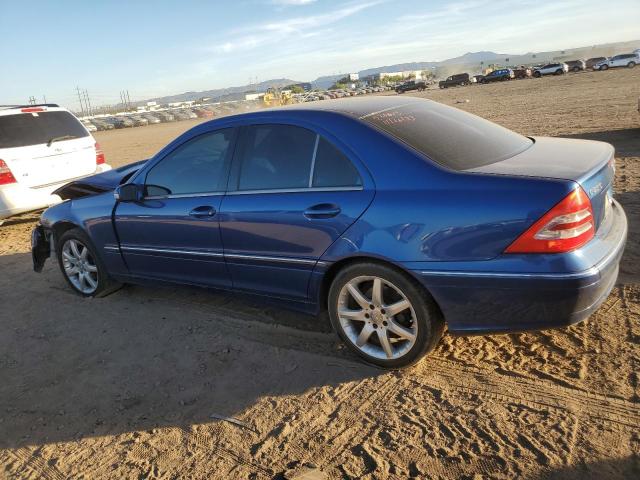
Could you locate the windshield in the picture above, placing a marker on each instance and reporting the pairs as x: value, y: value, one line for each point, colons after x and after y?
x: 24, y: 129
x: 452, y: 138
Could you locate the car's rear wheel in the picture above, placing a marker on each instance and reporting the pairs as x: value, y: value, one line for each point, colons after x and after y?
x: 576, y: 69
x: 82, y: 268
x: 631, y: 64
x: 383, y: 315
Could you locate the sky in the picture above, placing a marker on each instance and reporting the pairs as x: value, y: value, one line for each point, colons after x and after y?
x: 160, y: 47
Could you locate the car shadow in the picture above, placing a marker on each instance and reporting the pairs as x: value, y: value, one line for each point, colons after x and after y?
x: 146, y: 358
x: 625, y: 141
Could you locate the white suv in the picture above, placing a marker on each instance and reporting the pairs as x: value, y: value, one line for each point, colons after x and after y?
x: 625, y: 60
x: 41, y: 148
x: 551, y: 69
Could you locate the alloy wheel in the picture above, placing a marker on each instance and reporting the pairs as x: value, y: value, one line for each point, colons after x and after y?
x: 377, y: 317
x: 79, y: 266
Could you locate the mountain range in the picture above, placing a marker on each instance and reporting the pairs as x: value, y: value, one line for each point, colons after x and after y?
x: 471, y: 62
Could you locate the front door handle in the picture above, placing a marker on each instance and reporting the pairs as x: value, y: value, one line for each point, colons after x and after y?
x: 203, y: 212
x: 322, y: 210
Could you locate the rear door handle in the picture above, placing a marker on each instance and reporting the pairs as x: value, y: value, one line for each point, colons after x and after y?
x: 203, y: 211
x: 322, y: 210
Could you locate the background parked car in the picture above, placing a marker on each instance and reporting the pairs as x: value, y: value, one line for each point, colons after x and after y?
x: 592, y: 62
x: 101, y: 124
x: 499, y: 75
x: 407, y: 87
x: 138, y: 121
x: 459, y: 79
x: 629, y: 60
x: 151, y: 119
x: 41, y: 148
x: 551, y: 69
x: 89, y: 126
x: 522, y: 72
x: 576, y: 65
x: 165, y: 116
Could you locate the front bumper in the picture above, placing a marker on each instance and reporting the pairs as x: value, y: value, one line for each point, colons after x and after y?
x: 16, y: 198
x: 494, y: 301
x: 40, y: 247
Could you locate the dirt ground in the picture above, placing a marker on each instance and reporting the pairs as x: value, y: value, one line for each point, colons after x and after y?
x: 133, y: 385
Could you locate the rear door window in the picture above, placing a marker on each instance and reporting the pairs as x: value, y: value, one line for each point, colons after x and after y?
x: 448, y: 136
x: 25, y: 129
x: 276, y: 157
x: 332, y: 168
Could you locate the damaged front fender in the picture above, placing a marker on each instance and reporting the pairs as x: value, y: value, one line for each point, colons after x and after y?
x: 99, y: 183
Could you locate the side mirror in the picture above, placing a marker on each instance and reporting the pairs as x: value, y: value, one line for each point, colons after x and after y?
x: 129, y: 192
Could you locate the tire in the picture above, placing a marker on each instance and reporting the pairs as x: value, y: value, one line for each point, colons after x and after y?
x: 537, y: 74
x: 99, y: 284
x: 419, y: 324
x: 559, y: 71
x: 576, y: 69
x: 631, y: 64
x: 604, y: 67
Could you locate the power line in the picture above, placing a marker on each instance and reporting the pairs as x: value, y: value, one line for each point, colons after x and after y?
x: 80, y: 101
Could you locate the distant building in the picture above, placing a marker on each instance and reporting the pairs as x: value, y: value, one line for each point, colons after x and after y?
x: 354, y: 77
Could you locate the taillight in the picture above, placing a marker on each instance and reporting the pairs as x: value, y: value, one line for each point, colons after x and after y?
x: 565, y: 227
x: 99, y: 155
x: 6, y: 176
x: 32, y: 110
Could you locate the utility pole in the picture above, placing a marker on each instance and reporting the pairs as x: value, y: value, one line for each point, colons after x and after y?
x: 32, y: 100
x: 44, y: 98
x: 128, y: 100
x: 80, y: 101
x: 87, y: 101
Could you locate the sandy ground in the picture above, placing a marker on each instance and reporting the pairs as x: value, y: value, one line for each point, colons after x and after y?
x: 132, y: 385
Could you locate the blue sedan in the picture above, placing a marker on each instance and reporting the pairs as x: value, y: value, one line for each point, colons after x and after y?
x: 397, y: 215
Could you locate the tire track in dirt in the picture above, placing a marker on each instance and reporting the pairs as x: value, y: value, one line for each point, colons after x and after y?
x: 30, y: 461
x: 529, y: 391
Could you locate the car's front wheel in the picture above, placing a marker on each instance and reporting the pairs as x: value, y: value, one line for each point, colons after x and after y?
x: 631, y: 64
x: 82, y: 268
x: 383, y: 315
x: 604, y: 67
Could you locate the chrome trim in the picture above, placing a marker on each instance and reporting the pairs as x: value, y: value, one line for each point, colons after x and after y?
x: 271, y: 259
x: 171, y: 250
x: 313, y: 161
x: 441, y: 273
x: 301, y: 261
x: 111, y: 248
x: 183, y: 195
x: 297, y: 190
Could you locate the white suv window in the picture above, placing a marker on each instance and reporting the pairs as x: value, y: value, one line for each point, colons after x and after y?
x: 36, y: 128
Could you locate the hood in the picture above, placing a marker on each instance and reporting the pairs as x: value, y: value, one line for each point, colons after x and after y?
x: 99, y: 183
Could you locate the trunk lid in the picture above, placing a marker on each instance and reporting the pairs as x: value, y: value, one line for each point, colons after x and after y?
x: 588, y: 163
x: 40, y: 165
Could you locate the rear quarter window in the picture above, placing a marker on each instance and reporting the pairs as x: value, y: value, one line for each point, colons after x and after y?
x: 24, y: 129
x: 450, y: 137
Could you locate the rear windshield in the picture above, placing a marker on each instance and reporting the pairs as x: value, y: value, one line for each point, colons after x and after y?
x: 24, y: 129
x: 448, y: 136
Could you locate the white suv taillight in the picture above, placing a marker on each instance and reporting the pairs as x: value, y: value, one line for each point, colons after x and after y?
x: 99, y: 155
x: 6, y: 177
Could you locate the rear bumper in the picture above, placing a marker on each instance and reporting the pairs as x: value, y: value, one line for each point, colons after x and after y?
x: 16, y: 198
x: 493, y: 301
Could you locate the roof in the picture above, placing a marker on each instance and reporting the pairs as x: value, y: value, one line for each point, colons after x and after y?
x: 4, y: 107
x: 356, y: 107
